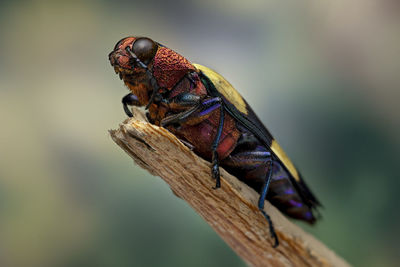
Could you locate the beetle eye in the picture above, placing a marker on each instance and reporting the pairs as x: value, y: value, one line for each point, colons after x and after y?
x: 145, y: 49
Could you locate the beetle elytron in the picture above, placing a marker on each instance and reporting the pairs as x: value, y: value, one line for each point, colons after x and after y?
x: 203, y: 109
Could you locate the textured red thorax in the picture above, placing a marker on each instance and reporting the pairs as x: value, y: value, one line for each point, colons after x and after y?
x: 169, y: 67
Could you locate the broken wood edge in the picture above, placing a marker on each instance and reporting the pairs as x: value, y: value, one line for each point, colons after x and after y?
x: 230, y: 210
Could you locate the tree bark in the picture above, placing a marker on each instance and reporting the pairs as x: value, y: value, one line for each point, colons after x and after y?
x: 230, y: 210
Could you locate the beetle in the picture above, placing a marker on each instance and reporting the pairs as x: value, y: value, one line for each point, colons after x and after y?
x: 203, y: 109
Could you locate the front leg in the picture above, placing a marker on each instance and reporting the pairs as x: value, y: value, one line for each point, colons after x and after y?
x: 130, y: 100
x: 197, y: 114
x: 196, y: 111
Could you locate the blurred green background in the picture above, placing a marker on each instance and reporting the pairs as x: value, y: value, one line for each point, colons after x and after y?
x: 324, y: 78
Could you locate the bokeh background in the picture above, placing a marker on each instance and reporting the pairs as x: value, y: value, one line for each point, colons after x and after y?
x: 323, y: 76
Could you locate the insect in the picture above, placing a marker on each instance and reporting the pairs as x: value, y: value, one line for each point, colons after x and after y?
x: 202, y: 109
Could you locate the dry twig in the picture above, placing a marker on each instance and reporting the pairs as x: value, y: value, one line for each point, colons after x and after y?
x: 231, y: 210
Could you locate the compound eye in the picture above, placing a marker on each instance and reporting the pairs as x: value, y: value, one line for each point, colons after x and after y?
x: 145, y: 49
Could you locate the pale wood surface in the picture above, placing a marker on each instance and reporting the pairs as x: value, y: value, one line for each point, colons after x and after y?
x: 231, y: 210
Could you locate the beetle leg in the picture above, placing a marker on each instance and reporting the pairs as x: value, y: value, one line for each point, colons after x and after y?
x: 247, y: 160
x: 249, y: 163
x: 261, y: 200
x: 215, y: 161
x: 187, y: 144
x: 181, y: 101
x: 195, y: 113
x: 130, y: 100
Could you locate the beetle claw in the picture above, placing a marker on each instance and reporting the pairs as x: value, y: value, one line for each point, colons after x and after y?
x: 216, y: 175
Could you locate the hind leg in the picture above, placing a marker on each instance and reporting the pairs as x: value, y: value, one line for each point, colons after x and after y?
x: 255, y: 166
x: 261, y: 200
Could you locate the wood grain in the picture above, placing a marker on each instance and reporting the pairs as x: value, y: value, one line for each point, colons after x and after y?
x: 231, y: 210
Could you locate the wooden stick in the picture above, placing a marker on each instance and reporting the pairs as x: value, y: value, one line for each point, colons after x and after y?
x: 231, y: 210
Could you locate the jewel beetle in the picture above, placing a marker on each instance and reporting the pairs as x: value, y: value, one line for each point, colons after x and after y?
x: 203, y: 109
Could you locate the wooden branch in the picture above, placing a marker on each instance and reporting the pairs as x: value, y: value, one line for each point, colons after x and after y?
x: 231, y: 210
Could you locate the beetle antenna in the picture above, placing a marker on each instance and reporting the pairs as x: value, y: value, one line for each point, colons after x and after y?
x: 153, y: 81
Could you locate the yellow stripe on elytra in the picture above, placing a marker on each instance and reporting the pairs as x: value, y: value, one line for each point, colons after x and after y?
x: 225, y: 88
x: 276, y: 148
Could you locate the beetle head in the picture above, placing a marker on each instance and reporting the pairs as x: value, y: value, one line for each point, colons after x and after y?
x: 122, y: 57
x: 132, y: 58
x: 138, y: 60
